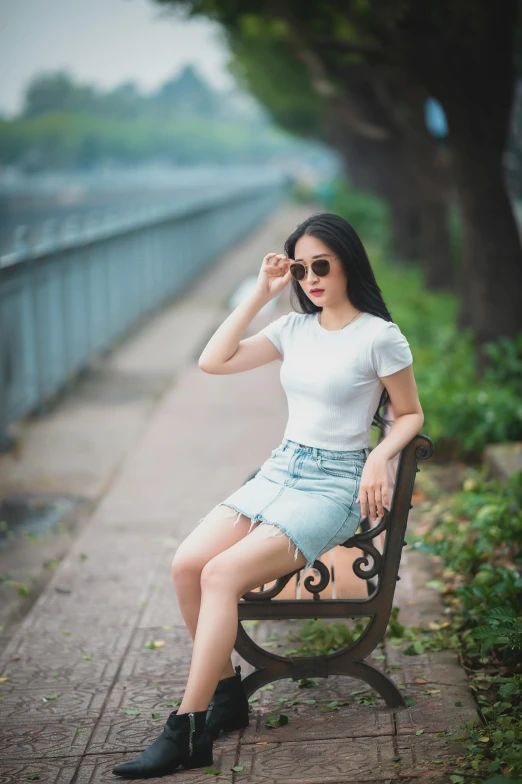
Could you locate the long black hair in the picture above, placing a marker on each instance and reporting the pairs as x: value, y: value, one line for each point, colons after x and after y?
x: 362, y: 288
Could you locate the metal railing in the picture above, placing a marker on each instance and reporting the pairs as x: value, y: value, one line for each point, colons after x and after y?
x: 68, y: 299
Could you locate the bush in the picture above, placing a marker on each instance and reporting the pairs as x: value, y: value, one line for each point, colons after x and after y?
x: 476, y: 537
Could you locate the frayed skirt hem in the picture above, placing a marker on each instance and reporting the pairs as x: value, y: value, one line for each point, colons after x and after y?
x: 278, y: 529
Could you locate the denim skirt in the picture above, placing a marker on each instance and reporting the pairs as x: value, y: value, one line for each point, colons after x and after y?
x: 304, y: 492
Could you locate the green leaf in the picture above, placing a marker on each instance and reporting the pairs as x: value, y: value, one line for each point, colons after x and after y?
x: 306, y: 683
x: 409, y: 701
x: 502, y: 612
x: 212, y: 771
x: 507, y: 689
x: 327, y: 708
x: 419, y: 732
x: 132, y: 712
x: 156, y: 715
x: 51, y: 696
x: 237, y: 768
x: 273, y: 720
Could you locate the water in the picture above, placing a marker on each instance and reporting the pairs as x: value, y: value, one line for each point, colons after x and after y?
x: 30, y: 200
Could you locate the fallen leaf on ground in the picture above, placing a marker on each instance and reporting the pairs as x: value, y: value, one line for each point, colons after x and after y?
x: 154, y: 644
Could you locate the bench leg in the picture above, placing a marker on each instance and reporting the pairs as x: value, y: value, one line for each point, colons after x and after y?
x: 374, y: 678
x: 271, y: 667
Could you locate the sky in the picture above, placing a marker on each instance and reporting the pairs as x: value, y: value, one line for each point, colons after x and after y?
x: 103, y: 42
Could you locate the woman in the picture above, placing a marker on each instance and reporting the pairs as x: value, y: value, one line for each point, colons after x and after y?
x: 342, y: 360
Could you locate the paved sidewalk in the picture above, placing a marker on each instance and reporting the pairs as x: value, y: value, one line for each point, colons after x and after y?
x: 80, y: 658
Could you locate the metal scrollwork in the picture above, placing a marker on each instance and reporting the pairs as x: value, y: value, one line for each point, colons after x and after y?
x: 256, y: 596
x: 424, y: 450
x: 377, y: 562
x: 361, y: 542
x: 324, y: 579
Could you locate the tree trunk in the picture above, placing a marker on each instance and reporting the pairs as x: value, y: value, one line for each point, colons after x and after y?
x: 492, y: 256
x: 417, y: 205
x: 474, y: 81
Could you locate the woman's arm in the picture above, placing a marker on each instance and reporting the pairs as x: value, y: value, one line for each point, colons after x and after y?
x: 407, y: 411
x: 225, y: 341
x: 409, y: 418
x: 273, y: 276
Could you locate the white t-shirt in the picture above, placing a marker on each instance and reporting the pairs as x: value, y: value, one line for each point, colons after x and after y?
x: 332, y: 377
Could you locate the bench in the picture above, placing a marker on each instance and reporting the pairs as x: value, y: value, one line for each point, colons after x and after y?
x: 288, y: 598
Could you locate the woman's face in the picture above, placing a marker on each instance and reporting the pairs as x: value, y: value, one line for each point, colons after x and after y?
x: 333, y: 285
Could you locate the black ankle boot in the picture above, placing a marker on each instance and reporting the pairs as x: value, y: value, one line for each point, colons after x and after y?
x: 228, y: 709
x: 185, y: 740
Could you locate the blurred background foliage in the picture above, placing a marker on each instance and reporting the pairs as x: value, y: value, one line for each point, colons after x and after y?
x: 65, y: 124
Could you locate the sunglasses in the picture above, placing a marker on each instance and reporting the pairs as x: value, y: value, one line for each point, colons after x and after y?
x: 321, y: 267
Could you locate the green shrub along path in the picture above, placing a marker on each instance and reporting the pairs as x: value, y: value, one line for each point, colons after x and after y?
x: 475, y: 537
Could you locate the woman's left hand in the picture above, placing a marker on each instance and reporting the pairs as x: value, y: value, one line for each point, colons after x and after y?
x: 373, y: 488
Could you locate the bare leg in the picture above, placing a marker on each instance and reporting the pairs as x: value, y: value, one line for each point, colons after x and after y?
x: 256, y: 559
x: 215, y: 533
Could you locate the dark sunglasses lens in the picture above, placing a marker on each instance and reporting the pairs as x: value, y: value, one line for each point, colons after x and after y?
x: 321, y: 267
x: 297, y: 271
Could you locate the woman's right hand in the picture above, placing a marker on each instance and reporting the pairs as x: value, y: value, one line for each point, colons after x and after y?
x: 274, y: 275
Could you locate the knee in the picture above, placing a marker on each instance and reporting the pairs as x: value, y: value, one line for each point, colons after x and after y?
x: 186, y: 566
x: 218, y: 574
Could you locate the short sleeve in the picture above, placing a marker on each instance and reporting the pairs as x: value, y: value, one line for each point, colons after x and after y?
x: 275, y: 332
x: 390, y: 350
